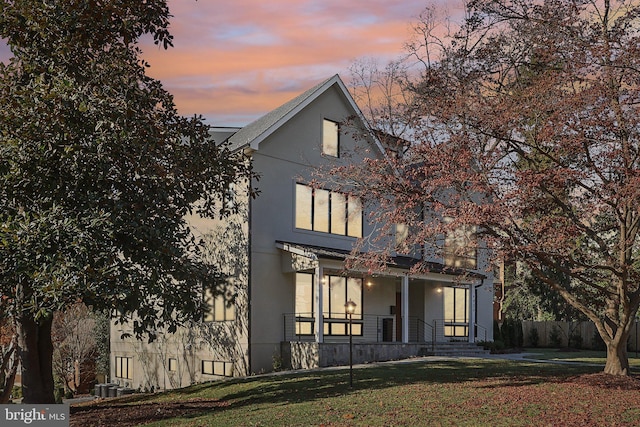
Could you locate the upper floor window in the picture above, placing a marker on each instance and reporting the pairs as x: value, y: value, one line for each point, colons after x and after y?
x: 460, y: 248
x: 330, y: 138
x: 401, y: 236
x: 219, y: 306
x: 328, y: 211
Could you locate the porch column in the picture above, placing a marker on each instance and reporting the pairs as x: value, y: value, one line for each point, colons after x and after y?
x: 472, y: 312
x: 405, y: 308
x: 319, y: 275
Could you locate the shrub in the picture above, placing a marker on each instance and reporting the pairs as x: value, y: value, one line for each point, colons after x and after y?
x: 518, y: 333
x: 276, y: 362
x: 16, y: 392
x: 575, y: 340
x: 555, y: 337
x: 492, y: 346
x: 511, y: 333
x: 497, y: 335
x: 506, y: 331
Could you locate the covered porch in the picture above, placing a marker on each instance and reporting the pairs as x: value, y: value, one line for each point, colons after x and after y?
x: 397, y: 315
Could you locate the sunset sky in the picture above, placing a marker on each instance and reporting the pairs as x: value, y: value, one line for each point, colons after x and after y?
x: 233, y: 61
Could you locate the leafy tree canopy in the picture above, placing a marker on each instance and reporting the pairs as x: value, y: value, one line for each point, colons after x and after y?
x: 97, y: 168
x: 524, y: 123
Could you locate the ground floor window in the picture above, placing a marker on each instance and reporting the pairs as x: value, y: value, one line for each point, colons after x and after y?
x: 336, y: 291
x: 304, y: 304
x: 212, y: 367
x: 124, y: 367
x: 173, y: 364
x: 456, y: 312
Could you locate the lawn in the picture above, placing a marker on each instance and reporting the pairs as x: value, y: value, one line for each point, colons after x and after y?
x: 461, y: 392
x: 578, y: 356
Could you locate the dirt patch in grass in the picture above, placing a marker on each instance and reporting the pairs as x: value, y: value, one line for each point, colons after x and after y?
x: 102, y: 413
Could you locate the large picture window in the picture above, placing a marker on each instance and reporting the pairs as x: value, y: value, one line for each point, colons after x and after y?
x: 456, y: 312
x: 336, y: 291
x: 327, y: 211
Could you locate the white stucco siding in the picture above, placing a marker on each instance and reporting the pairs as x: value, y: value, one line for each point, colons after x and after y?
x: 287, y: 156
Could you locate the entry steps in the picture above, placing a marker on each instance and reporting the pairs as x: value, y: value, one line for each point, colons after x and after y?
x: 460, y: 349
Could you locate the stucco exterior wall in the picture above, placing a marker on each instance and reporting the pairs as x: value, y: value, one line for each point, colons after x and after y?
x: 226, y: 244
x: 288, y: 156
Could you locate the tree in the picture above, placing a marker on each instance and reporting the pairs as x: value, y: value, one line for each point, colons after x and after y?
x: 530, y: 299
x: 75, y: 349
x: 528, y: 130
x: 8, y: 359
x: 97, y: 173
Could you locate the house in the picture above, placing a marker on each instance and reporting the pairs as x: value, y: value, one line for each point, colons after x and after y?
x: 283, y: 305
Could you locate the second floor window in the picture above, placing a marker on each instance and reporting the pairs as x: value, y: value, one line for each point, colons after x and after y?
x: 328, y: 211
x: 460, y: 248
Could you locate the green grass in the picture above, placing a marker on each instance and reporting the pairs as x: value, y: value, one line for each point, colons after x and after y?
x: 578, y: 356
x: 452, y: 392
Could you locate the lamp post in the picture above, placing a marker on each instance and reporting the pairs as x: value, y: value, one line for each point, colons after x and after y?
x: 349, y: 308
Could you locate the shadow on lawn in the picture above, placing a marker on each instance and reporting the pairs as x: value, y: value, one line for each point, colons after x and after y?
x: 287, y: 388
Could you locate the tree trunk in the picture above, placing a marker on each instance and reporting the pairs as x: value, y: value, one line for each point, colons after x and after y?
x: 36, y: 351
x: 8, y: 383
x: 617, y: 358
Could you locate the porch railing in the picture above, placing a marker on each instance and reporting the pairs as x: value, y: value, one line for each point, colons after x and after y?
x: 366, y: 328
x: 451, y: 330
x: 377, y: 328
x: 481, y: 333
x: 426, y: 332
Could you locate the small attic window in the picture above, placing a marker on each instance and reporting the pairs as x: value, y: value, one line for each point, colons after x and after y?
x: 330, y: 138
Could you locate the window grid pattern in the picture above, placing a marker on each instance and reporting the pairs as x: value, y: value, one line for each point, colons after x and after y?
x: 327, y: 211
x: 456, y: 311
x: 336, y: 291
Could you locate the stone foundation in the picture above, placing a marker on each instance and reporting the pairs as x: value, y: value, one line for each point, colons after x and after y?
x: 309, y: 355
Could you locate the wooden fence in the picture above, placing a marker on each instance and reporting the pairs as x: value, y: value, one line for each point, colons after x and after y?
x: 564, y: 330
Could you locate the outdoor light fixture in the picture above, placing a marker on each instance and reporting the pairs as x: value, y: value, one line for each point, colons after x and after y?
x: 350, y: 308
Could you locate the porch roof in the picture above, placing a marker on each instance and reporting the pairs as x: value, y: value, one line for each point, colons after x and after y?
x: 400, y: 262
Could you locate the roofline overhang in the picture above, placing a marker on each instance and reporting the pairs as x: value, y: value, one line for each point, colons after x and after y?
x: 317, y: 254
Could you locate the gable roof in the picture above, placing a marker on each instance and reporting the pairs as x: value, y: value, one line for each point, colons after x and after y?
x: 254, y: 133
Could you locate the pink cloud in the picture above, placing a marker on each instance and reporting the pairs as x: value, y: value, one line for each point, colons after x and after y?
x: 236, y: 62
